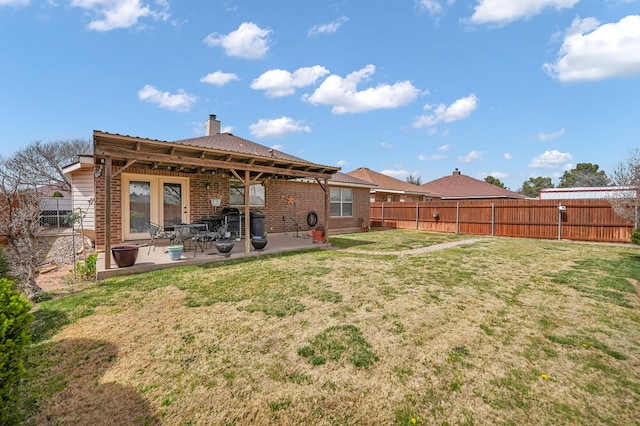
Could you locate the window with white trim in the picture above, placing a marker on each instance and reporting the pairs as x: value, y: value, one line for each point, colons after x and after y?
x: 256, y: 194
x: 341, y: 202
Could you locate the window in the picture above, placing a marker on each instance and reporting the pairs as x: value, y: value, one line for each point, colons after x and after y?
x: 236, y: 194
x: 341, y: 202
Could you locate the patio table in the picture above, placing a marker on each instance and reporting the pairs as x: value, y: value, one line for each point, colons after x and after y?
x: 190, y: 232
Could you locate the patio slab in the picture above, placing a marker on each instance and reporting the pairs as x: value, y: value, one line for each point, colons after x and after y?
x: 159, y: 258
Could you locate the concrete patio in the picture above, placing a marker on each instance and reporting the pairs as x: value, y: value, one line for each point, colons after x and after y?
x: 159, y: 258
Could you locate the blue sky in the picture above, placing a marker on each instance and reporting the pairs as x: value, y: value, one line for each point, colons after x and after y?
x: 513, y: 89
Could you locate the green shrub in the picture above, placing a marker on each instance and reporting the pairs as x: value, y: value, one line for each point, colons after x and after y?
x: 14, y: 338
x: 4, y: 263
x: 635, y: 236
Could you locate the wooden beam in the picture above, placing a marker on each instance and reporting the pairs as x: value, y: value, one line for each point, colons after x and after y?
x: 123, y: 168
x: 327, y: 208
x: 197, y: 162
x: 107, y: 212
x: 247, y: 213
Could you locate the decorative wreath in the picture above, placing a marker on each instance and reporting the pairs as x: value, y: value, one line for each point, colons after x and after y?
x: 312, y: 219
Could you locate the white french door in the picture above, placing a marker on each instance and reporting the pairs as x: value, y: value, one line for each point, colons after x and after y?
x: 158, y: 199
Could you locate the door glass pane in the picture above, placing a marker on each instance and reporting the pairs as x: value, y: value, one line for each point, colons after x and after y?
x: 172, y: 203
x: 139, y: 205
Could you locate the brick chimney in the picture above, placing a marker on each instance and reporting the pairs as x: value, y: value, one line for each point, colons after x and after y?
x: 212, y: 126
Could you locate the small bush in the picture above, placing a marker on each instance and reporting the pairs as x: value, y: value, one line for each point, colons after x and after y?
x: 14, y: 338
x: 4, y: 263
x: 635, y: 236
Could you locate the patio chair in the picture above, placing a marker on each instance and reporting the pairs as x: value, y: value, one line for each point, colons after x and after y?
x: 157, y: 232
x: 210, y: 235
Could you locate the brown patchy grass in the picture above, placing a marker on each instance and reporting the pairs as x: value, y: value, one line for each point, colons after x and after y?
x: 498, y: 331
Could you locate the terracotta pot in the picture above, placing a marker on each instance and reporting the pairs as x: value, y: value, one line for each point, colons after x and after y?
x: 318, y: 236
x: 125, y: 255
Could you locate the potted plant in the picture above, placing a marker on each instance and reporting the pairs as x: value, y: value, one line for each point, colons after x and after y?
x: 318, y: 234
x: 224, y: 247
x: 175, y: 251
x: 259, y: 242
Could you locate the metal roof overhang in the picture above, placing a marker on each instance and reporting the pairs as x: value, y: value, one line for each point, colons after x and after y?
x: 155, y: 154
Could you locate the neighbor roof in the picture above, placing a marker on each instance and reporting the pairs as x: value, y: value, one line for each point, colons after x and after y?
x: 387, y: 183
x: 459, y: 186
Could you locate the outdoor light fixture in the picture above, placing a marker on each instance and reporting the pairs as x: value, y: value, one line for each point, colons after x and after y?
x: 207, y: 185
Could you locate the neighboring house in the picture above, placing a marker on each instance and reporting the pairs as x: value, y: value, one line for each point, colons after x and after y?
x: 388, y: 189
x: 581, y: 193
x: 461, y: 187
x: 132, y: 180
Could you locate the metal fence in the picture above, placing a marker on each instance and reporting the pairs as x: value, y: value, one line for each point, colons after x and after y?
x: 55, y: 211
x: 580, y: 220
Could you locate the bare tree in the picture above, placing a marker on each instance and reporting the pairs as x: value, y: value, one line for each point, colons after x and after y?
x: 19, y: 223
x: 416, y: 180
x: 41, y: 163
x: 627, y: 176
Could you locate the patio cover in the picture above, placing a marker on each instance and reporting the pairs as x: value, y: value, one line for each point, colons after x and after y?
x: 246, y: 160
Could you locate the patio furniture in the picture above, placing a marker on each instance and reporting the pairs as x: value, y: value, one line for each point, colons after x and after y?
x: 157, y: 232
x: 195, y: 233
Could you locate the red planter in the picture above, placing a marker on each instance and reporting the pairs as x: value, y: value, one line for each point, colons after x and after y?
x: 318, y: 236
x: 125, y: 255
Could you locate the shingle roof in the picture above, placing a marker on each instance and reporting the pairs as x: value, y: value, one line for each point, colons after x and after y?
x: 458, y: 185
x: 387, y: 183
x: 231, y: 143
x: 348, y: 179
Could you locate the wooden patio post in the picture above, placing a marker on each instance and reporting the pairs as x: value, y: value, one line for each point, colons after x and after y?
x: 327, y: 207
x: 247, y: 228
x: 107, y: 212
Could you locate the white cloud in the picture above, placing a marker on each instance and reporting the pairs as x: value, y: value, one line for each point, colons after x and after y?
x: 277, y: 147
x: 219, y: 78
x: 471, y: 157
x: 180, y: 101
x: 506, y: 11
x: 548, y: 136
x: 342, y: 163
x: 458, y: 110
x: 386, y: 145
x: 507, y: 156
x: 249, y: 41
x: 329, y: 28
x: 434, y: 7
x: 497, y: 175
x: 279, y: 82
x: 112, y: 14
x: 433, y: 157
x: 342, y: 94
x: 591, y: 51
x: 398, y: 174
x: 550, y: 160
x: 14, y: 2
x: 277, y: 127
x: 445, y: 147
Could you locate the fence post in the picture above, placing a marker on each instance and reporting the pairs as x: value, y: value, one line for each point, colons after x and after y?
x: 493, y: 217
x: 382, y: 221
x: 560, y: 208
x: 417, y: 214
x: 457, y: 218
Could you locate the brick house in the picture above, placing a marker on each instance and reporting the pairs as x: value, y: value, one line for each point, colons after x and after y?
x: 131, y: 180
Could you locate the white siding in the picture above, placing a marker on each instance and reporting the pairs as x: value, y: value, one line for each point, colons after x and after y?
x: 586, y: 193
x: 83, y: 193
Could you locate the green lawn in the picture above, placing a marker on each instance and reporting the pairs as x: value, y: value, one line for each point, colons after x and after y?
x: 501, y: 330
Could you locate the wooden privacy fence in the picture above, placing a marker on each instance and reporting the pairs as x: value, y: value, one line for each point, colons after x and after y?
x: 581, y: 220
